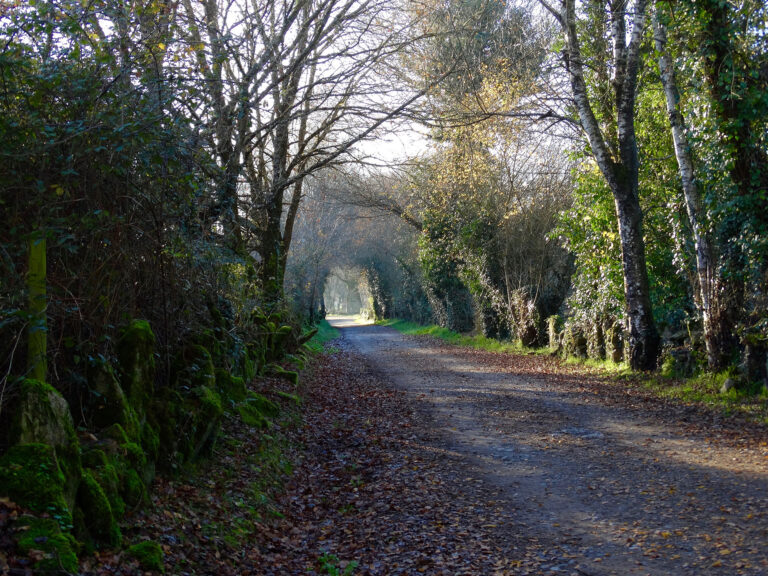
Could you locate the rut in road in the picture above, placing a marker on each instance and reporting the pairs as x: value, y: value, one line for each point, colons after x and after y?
x: 595, y: 488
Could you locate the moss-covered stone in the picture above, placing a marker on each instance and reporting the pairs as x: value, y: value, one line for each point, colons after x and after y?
x: 117, y: 433
x: 135, y: 352
x: 108, y: 478
x: 131, y: 454
x: 678, y: 363
x: 42, y: 416
x: 94, y: 458
x: 134, y: 456
x: 86, y: 545
x: 207, y: 410
x: 164, y: 417
x: 596, y: 347
x: 258, y: 410
x: 149, y: 555
x: 280, y: 372
x: 97, y: 513
x: 553, y: 331
x: 232, y: 388
x: 615, y: 342
x: 209, y: 340
x: 275, y: 339
x: 252, y: 417
x: 293, y: 398
x: 150, y: 441
x: 45, y: 535
x: 574, y: 342
x: 31, y: 477
x: 121, y: 476
x: 133, y: 490
x: 210, y: 402
x: 188, y: 422
x: 252, y: 361
x: 193, y: 367
x: 263, y: 404
x: 107, y: 403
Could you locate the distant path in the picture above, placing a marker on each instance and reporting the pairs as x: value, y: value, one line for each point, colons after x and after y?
x: 590, y: 487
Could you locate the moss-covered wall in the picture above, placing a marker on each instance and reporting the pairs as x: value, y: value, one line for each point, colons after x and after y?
x: 80, y: 484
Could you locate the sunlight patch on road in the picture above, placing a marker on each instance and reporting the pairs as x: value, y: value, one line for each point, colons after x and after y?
x: 348, y: 321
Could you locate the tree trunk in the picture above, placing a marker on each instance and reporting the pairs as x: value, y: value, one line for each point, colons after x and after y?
x: 716, y: 322
x: 621, y: 174
x: 643, y: 337
x: 272, y: 270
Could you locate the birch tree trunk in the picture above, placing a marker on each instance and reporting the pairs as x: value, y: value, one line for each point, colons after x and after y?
x: 621, y: 173
x: 714, y: 323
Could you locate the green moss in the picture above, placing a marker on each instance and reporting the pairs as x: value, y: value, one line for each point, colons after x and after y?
x: 232, y: 388
x: 134, y: 455
x: 132, y: 424
x: 212, y: 341
x: 193, y: 367
x: 252, y: 417
x: 81, y: 533
x: 117, y: 433
x: 121, y: 479
x: 138, y: 334
x: 257, y: 410
x: 293, y: 398
x: 188, y: 421
x: 94, y: 458
x: 97, y: 512
x: 31, y: 477
x: 149, y: 555
x: 299, y: 359
x: 251, y: 363
x: 163, y: 417
x: 210, y: 402
x: 45, y: 535
x: 109, y: 480
x: 263, y: 404
x: 206, y: 417
x: 279, y: 371
x: 668, y: 367
x: 133, y: 489
x: 150, y: 441
x: 107, y: 403
x: 135, y: 352
x: 42, y: 416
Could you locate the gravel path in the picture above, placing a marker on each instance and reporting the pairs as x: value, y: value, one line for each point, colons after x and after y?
x: 583, y: 484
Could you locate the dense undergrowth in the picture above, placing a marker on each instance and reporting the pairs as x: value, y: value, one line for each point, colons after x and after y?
x: 73, y: 480
x: 209, y: 517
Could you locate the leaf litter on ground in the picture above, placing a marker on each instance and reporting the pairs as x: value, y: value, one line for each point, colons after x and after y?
x: 360, y: 484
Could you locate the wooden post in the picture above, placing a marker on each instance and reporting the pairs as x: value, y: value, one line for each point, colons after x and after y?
x: 37, y: 332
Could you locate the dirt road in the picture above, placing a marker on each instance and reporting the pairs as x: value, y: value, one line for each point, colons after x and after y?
x: 585, y: 486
